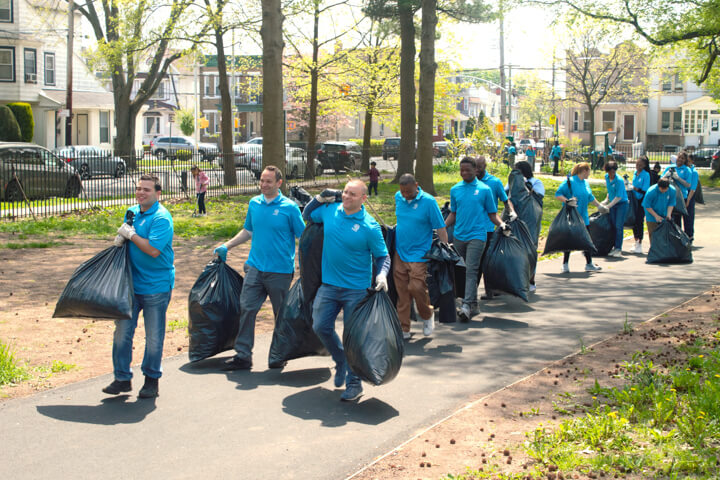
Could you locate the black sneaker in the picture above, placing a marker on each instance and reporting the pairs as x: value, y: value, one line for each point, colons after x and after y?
x: 236, y: 363
x: 117, y: 387
x: 149, y: 389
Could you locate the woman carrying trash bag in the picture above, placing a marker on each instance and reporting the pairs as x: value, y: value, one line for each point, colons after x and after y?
x: 641, y: 184
x: 575, y: 192
x: 617, y: 202
x: 689, y: 220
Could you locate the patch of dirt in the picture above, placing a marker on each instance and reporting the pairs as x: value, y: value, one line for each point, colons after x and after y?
x: 31, y: 281
x: 488, y: 433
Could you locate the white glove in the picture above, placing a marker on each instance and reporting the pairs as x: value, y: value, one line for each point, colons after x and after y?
x: 571, y: 202
x: 126, y: 231
x: 381, y: 283
x: 119, y: 240
x: 603, y: 209
x: 324, y: 199
x: 505, y: 229
x: 513, y: 216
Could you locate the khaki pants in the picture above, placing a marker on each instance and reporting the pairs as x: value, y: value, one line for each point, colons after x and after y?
x: 651, y: 227
x: 410, y: 283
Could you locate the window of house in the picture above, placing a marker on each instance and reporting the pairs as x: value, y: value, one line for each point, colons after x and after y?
x: 30, y: 64
x: 677, y: 122
x: 104, y: 127
x: 49, y: 69
x: 586, y: 121
x: 696, y: 121
x: 666, y: 83
x: 678, y: 83
x: 6, y: 11
x: 161, y: 91
x: 213, y: 122
x: 152, y: 125
x: 608, y: 121
x: 7, y: 64
x: 665, y: 122
x: 212, y: 87
x: 217, y: 86
x: 576, y: 120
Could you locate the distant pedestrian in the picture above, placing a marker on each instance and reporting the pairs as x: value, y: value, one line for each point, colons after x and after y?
x: 201, y: 185
x: 655, y: 173
x: 617, y: 201
x: 374, y: 175
x: 659, y: 203
x: 641, y: 184
x: 690, y: 201
x: 530, y: 156
x: 512, y: 152
x: 555, y: 156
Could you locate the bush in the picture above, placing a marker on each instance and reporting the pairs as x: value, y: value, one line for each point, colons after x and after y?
x: 24, y: 116
x: 10, y: 371
x: 9, y: 128
x: 183, y: 155
x: 375, y: 145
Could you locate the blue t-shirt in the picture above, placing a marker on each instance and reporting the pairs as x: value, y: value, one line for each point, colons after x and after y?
x: 498, y: 194
x: 658, y: 201
x: 616, y: 188
x: 581, y: 191
x: 349, y: 243
x: 694, y: 179
x: 683, y: 172
x: 471, y: 202
x: 530, y: 152
x: 153, y: 275
x: 642, y: 181
x: 274, y: 227
x: 512, y: 150
x: 556, y: 152
x: 416, y: 221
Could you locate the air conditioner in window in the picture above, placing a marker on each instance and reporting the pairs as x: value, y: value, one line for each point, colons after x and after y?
x: 31, y: 78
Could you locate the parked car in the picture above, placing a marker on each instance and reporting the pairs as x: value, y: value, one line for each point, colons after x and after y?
x: 249, y: 156
x: 391, y: 148
x: 440, y: 148
x: 36, y: 171
x: 90, y: 161
x: 164, y: 147
x: 525, y: 143
x: 706, y: 157
x: 338, y: 156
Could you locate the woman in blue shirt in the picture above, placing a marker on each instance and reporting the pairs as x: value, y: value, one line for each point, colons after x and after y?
x: 576, y: 192
x: 617, y: 202
x: 641, y: 184
x: 690, y: 201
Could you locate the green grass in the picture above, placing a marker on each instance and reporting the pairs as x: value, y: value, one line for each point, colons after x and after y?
x: 20, y: 245
x: 10, y: 369
x: 177, y: 325
x: 707, y: 181
x: 59, y: 366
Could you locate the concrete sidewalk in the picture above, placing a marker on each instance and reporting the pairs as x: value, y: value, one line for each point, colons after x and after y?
x: 291, y: 424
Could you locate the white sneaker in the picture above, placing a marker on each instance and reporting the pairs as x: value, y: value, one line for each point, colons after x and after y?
x: 532, y: 288
x: 615, y: 252
x: 429, y: 325
x: 638, y: 248
x: 592, y: 267
x: 565, y: 268
x: 406, y: 335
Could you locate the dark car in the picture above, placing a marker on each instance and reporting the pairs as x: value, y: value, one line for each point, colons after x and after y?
x: 706, y: 157
x: 34, y: 171
x: 90, y: 161
x: 391, y: 148
x: 338, y: 156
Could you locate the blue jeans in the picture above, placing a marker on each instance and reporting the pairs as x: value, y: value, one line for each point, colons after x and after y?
x: 154, y: 308
x: 257, y: 286
x: 326, y: 307
x: 617, y: 218
x: 472, y: 253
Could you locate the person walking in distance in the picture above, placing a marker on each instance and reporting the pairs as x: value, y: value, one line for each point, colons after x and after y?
x: 417, y: 216
x: 374, y: 177
x: 555, y: 156
x: 148, y: 227
x: 201, y: 185
x: 273, y: 222
x: 641, y: 184
x: 617, y: 202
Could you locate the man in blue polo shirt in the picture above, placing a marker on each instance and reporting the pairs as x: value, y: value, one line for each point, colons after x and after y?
x: 273, y: 222
x: 417, y: 215
x: 149, y: 228
x: 659, y: 202
x: 471, y: 206
x: 351, y: 239
x: 498, y: 195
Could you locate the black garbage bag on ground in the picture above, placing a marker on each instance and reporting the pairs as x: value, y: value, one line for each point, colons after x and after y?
x: 441, y: 269
x: 310, y: 253
x: 294, y: 336
x: 632, y: 208
x: 506, y: 265
x: 445, y: 211
x: 669, y: 244
x: 101, y: 287
x: 373, y: 339
x: 567, y: 233
x: 699, y: 194
x: 521, y: 231
x: 214, y: 310
x: 528, y: 204
x: 300, y: 196
x: 602, y: 233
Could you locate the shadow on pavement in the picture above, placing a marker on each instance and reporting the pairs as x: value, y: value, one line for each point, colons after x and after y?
x: 249, y: 380
x: 112, y: 411
x: 322, y: 404
x: 420, y: 347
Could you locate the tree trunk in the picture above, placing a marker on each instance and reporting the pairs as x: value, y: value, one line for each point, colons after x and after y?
x: 312, y: 120
x: 367, y: 137
x: 273, y: 129
x: 226, y: 124
x: 407, y: 89
x: 125, y: 117
x: 426, y: 100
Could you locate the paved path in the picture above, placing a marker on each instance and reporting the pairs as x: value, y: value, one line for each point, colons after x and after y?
x: 290, y: 424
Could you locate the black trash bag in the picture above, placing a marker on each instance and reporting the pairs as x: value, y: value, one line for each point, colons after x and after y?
x: 294, y: 336
x: 214, y: 310
x: 373, y: 340
x: 310, y: 253
x: 679, y: 200
x: 441, y: 269
x: 506, y: 265
x: 331, y: 192
x: 699, y: 194
x: 602, y: 233
x: 300, y: 196
x: 101, y: 287
x: 389, y: 237
x: 567, y: 233
x: 669, y: 244
x: 633, y: 204
x: 445, y: 211
x: 528, y: 204
x: 521, y: 231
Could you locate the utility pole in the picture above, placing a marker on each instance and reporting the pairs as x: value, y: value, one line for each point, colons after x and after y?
x: 555, y: 125
x: 502, y: 68
x: 509, y: 93
x: 69, y: 81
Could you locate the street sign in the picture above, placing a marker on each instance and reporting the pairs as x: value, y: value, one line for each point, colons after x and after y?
x: 553, y: 119
x: 500, y: 127
x: 291, y: 125
x: 203, y: 122
x: 64, y: 113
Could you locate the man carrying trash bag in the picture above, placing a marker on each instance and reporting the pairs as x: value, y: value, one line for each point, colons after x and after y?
x: 351, y: 240
x: 273, y: 222
x: 659, y: 201
x: 417, y: 216
x: 153, y: 273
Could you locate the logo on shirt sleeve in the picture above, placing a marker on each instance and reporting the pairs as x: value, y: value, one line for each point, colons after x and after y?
x: 477, y: 192
x: 415, y: 206
x: 356, y: 227
x: 276, y: 211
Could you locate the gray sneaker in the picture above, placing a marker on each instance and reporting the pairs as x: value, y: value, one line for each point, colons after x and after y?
x: 353, y: 392
x: 592, y: 267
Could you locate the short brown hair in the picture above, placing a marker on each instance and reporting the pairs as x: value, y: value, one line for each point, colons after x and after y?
x: 151, y: 178
x: 273, y: 168
x: 580, y: 167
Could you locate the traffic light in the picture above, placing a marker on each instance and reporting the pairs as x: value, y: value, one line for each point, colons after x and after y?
x: 237, y: 122
x: 500, y: 127
x: 203, y: 122
x: 513, y: 128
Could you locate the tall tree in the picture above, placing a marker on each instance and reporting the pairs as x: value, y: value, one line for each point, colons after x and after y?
x: 536, y: 103
x: 273, y: 128
x: 426, y: 100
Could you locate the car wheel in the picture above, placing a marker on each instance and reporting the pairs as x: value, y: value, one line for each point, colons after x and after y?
x: 119, y: 170
x: 13, y: 192
x: 73, y: 187
x: 161, y: 154
x: 294, y: 172
x: 319, y: 170
x: 84, y: 171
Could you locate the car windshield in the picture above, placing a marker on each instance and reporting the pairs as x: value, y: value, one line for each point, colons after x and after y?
x: 330, y: 147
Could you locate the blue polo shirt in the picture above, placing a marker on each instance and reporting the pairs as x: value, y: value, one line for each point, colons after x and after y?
x: 683, y: 172
x: 642, y: 181
x: 498, y: 194
x: 581, y: 191
x: 416, y: 221
x: 349, y: 244
x: 694, y: 179
x: 153, y: 275
x: 556, y: 152
x: 658, y: 201
x: 616, y: 188
x: 472, y: 202
x: 274, y: 227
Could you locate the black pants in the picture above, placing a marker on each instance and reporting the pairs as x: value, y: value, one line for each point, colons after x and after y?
x: 639, y: 226
x: 373, y: 185
x: 201, y: 202
x: 588, y: 255
x: 556, y: 165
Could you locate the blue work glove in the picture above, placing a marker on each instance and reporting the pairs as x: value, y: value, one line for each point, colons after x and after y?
x: 221, y: 252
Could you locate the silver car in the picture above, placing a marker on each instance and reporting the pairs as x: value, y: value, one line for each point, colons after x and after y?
x: 90, y: 161
x: 164, y: 147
